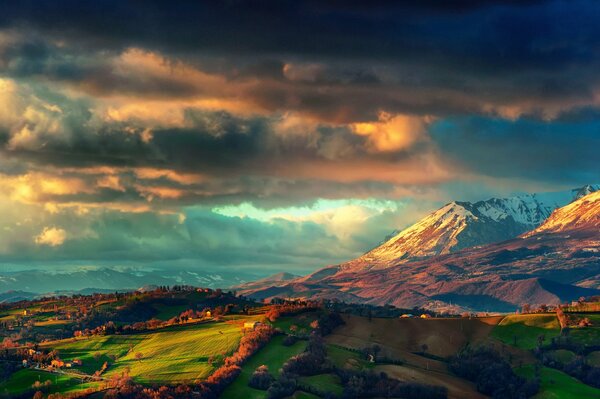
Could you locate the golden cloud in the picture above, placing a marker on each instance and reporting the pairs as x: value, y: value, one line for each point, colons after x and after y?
x: 51, y: 236
x: 393, y: 132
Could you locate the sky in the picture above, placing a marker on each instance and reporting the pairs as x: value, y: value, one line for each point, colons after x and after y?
x: 279, y: 135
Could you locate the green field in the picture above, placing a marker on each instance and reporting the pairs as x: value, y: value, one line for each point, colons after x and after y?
x: 274, y: 355
x: 324, y: 383
x: 165, y: 312
x: 169, y: 355
x: 586, y: 335
x: 345, y: 358
x: 301, y: 321
x: 526, y: 329
x: 558, y: 385
x: 22, y: 381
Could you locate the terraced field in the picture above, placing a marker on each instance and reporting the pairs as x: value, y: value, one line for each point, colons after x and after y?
x: 523, y: 331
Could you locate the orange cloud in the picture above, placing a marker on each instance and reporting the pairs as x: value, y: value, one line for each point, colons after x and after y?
x: 393, y: 132
x: 181, y: 178
x: 51, y: 236
x: 111, y: 182
x: 151, y: 192
x: 36, y: 186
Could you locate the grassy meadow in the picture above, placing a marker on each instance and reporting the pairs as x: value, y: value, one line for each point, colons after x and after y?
x: 522, y: 331
x: 557, y: 385
x: 169, y: 355
x: 274, y: 355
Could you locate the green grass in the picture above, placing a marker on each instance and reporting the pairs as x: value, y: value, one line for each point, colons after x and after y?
x: 274, y: 355
x: 585, y: 335
x: 324, y: 382
x: 170, y: 355
x: 22, y: 381
x: 562, y: 355
x: 301, y: 321
x: 165, y: 312
x: 344, y: 358
x: 526, y: 328
x: 558, y: 385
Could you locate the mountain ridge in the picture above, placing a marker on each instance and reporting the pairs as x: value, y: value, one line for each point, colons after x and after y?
x: 459, y: 225
x: 550, y: 265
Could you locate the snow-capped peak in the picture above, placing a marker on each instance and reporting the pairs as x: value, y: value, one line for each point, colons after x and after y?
x: 460, y: 225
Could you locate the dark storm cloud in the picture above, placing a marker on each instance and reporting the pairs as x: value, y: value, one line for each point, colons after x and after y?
x: 428, y: 58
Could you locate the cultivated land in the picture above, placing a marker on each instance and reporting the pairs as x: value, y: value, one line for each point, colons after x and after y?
x: 169, y: 355
x: 403, y: 339
x: 443, y: 336
x: 523, y: 331
x: 412, y: 349
x: 274, y: 355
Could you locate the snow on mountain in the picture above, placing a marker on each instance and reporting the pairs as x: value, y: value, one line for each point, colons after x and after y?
x: 582, y: 214
x: 557, y: 262
x: 460, y: 225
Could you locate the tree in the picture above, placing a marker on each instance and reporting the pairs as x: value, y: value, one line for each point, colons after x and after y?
x: 139, y: 356
x: 261, y: 378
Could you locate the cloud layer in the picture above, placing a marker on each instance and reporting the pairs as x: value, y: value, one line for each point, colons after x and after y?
x: 118, y: 114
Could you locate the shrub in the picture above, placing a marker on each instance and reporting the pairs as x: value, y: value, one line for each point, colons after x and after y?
x: 261, y: 378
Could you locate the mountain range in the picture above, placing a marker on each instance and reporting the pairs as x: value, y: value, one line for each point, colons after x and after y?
x: 493, y: 255
x: 28, y: 284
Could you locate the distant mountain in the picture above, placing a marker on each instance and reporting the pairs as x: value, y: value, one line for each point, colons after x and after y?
x: 15, y: 296
x: 460, y: 225
x: 555, y: 262
x: 104, y: 278
x: 583, y: 214
x: 270, y: 281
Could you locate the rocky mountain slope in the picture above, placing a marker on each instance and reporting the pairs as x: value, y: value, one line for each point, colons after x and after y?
x: 555, y: 262
x: 460, y: 225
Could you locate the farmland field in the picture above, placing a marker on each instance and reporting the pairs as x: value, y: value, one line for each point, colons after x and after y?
x: 345, y: 358
x: 22, y: 381
x: 187, y: 358
x: 522, y: 331
x: 558, y: 385
x: 324, y: 383
x: 397, y: 337
x: 274, y: 355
